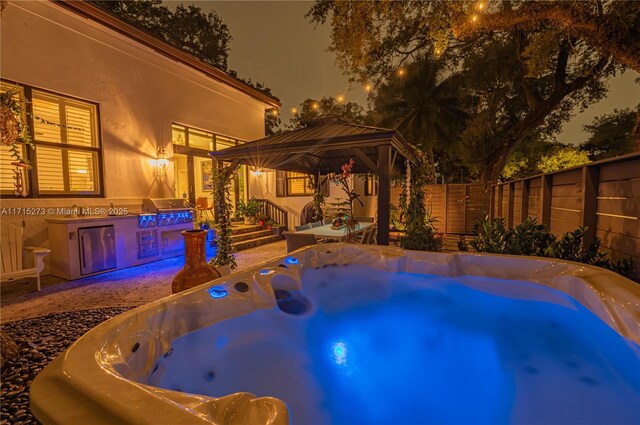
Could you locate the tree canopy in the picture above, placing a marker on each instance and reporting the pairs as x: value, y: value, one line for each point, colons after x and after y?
x: 312, y: 108
x: 187, y: 27
x: 522, y: 73
x: 611, y: 134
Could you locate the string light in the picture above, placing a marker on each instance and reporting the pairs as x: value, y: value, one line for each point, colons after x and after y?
x: 401, y: 72
x: 274, y: 112
x: 315, y: 106
x: 368, y: 88
x: 294, y: 110
x: 474, y: 18
x: 480, y: 6
x: 340, y: 98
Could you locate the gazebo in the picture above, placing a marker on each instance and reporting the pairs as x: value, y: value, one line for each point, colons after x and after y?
x: 320, y: 146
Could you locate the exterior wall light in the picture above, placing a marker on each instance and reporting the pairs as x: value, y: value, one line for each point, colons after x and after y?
x: 162, y: 163
x: 256, y: 172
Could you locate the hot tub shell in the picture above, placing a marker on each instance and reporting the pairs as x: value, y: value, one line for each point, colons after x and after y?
x: 99, y: 378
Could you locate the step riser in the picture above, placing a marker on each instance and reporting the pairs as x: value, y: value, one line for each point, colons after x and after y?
x: 248, y: 229
x: 252, y: 243
x: 253, y: 235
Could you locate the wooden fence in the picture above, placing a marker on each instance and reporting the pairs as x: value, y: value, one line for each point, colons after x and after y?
x: 455, y: 207
x: 603, y: 195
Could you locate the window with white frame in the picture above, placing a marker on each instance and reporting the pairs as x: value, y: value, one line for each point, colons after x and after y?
x: 66, y: 157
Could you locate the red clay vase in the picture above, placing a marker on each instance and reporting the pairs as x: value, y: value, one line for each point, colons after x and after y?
x: 196, y: 270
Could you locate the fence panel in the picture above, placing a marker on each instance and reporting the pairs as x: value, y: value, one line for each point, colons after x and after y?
x: 603, y: 196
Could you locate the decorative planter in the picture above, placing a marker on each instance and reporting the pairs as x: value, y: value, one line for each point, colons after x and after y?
x: 224, y: 270
x: 196, y: 270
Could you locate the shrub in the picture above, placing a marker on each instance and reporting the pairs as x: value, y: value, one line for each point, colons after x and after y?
x: 530, y: 238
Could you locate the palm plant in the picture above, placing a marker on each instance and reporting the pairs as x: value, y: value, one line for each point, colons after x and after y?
x: 425, y: 106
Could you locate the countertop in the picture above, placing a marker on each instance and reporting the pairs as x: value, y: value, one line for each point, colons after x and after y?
x: 90, y: 218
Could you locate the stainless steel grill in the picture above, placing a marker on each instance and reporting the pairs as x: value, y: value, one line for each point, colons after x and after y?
x: 164, y: 212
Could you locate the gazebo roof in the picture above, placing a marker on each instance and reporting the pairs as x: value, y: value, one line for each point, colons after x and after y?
x: 321, y: 145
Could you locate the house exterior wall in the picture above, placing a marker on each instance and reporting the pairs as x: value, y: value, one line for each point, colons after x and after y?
x: 139, y: 94
x: 264, y: 186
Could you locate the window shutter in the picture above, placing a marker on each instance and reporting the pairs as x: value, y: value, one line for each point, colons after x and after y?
x: 50, y: 169
x: 281, y: 181
x: 46, y: 118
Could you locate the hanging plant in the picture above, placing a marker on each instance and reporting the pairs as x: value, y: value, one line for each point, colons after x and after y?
x: 225, y: 252
x: 15, y: 134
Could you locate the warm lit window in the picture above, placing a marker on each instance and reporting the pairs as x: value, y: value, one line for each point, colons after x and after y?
x: 292, y: 184
x: 66, y: 145
x: 7, y: 171
x: 370, y: 185
x: 200, y: 139
x: 224, y: 142
x: 65, y: 157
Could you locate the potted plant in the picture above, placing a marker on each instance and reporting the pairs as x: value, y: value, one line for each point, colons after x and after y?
x: 251, y: 210
x: 262, y: 219
x: 275, y: 227
x: 225, y: 260
x: 343, y: 181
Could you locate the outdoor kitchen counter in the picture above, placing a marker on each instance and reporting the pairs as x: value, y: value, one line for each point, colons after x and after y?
x: 89, y: 218
x: 92, y: 244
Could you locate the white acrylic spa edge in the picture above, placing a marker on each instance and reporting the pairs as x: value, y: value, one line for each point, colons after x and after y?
x: 97, y: 380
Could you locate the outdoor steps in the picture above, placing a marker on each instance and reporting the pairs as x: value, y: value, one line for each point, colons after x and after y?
x: 252, y: 243
x: 249, y: 236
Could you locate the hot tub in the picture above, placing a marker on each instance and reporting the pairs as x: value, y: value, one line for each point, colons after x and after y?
x: 364, y: 334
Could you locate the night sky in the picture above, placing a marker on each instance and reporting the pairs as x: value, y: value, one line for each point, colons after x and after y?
x: 273, y: 43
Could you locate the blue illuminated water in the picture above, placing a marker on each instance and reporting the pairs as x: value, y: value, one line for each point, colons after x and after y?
x: 385, y: 348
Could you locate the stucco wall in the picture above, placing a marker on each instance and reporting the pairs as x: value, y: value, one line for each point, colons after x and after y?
x: 139, y: 92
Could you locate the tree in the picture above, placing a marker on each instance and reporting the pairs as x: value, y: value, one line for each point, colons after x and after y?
x: 398, y: 30
x: 611, y: 134
x: 187, y: 27
x: 540, y: 72
x: 312, y: 108
x: 271, y: 122
x: 424, y: 105
x: 563, y: 157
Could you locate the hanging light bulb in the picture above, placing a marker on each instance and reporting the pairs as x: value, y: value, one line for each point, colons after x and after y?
x: 480, y: 6
x: 401, y: 72
x: 315, y: 106
x: 474, y: 18
x: 294, y: 110
x: 368, y: 88
x: 274, y: 112
x: 340, y: 98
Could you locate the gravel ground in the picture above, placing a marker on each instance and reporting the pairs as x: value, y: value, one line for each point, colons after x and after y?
x: 55, y: 332
x: 133, y: 286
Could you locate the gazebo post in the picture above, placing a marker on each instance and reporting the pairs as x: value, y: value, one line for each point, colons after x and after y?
x: 384, y: 193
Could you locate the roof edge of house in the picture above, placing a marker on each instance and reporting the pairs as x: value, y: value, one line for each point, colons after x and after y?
x: 87, y: 10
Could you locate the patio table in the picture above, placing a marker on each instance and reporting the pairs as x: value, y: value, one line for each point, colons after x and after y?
x: 325, y: 231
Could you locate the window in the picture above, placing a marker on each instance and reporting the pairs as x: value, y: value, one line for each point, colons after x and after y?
x: 7, y: 171
x: 200, y: 139
x: 370, y: 185
x: 297, y: 184
x: 66, y: 157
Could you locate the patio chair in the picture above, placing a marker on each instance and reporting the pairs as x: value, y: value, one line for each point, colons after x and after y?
x: 364, y: 219
x: 373, y: 235
x: 298, y: 240
x: 203, y: 208
x: 316, y: 224
x: 302, y: 227
x: 363, y: 236
x: 11, y: 248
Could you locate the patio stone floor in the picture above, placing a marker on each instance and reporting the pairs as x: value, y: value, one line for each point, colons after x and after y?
x: 129, y: 287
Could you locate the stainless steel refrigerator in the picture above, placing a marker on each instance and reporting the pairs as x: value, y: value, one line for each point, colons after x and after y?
x: 97, y: 249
